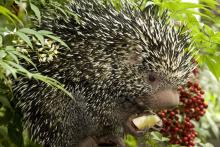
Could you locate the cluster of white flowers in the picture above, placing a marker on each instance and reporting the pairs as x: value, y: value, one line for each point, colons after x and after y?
x: 21, y: 46
x: 47, y: 52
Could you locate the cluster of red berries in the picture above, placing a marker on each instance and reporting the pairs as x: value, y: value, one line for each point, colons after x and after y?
x: 177, y: 125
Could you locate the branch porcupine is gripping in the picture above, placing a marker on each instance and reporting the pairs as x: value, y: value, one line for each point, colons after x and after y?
x: 120, y: 65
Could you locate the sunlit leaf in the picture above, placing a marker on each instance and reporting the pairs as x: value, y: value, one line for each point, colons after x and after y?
x: 8, y: 50
x: 9, y: 70
x: 213, y: 125
x: 58, y: 40
x: 44, y: 32
x: 52, y: 82
x: 36, y: 11
x: 1, y: 41
x: 9, y: 15
x: 33, y: 32
x: 3, y: 54
x: 213, y: 65
x: 25, y: 38
x: 24, y: 57
x: 14, y: 57
x: 20, y: 69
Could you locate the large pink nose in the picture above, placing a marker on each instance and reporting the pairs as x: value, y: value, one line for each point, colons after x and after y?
x: 167, y: 98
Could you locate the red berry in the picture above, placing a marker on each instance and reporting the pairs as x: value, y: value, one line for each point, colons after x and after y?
x: 202, y: 92
x: 176, y: 129
x: 172, y: 113
x: 205, y: 105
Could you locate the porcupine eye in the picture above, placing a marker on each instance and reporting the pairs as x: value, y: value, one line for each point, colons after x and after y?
x: 151, y: 77
x: 153, y: 80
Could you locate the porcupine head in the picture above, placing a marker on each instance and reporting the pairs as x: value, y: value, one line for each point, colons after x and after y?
x: 128, y: 62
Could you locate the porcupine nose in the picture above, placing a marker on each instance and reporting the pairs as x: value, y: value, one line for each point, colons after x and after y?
x: 167, y: 98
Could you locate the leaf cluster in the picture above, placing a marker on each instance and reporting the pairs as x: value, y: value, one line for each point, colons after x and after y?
x: 17, y: 40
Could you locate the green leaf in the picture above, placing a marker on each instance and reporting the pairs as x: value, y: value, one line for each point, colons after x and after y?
x: 8, y: 50
x: 201, y: 14
x: 20, y: 69
x: 213, y: 65
x: 9, y: 70
x: 6, y: 118
x: 9, y: 15
x: 5, y: 102
x: 33, y: 32
x: 212, y: 124
x: 52, y: 82
x: 216, y: 38
x: 208, y: 30
x: 130, y: 141
x: 1, y: 41
x: 59, y: 7
x: 24, y: 57
x: 3, y: 54
x: 3, y: 132
x: 159, y: 137
x: 36, y: 11
x: 13, y: 57
x: 15, y: 135
x: 25, y: 38
x: 211, y: 3
x: 58, y: 40
x: 44, y: 32
x: 208, y: 145
x: 180, y: 6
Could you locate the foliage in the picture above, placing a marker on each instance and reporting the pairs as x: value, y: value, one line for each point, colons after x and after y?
x: 18, y: 39
x: 16, y: 42
x: 206, y: 39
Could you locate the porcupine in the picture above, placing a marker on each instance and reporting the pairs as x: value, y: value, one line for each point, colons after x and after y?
x: 120, y: 64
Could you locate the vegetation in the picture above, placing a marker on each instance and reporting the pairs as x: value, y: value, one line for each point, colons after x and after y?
x: 18, y: 38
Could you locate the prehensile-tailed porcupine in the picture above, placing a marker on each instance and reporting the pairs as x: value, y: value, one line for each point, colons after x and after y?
x: 120, y: 63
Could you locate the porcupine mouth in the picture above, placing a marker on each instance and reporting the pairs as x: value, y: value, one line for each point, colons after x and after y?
x: 131, y: 128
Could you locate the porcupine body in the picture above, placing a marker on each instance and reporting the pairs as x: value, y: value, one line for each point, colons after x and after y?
x: 112, y: 56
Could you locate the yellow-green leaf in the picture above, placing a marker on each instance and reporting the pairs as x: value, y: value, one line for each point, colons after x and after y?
x: 36, y: 11
x: 1, y: 41
x: 58, y: 40
x: 33, y: 32
x: 44, y: 32
x: 25, y: 38
x: 9, y: 15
